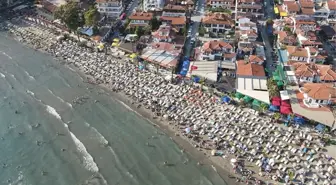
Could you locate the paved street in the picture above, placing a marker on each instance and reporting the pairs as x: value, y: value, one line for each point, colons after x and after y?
x: 199, y: 13
x: 269, y: 13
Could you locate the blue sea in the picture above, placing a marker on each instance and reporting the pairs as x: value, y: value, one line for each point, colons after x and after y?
x: 57, y: 130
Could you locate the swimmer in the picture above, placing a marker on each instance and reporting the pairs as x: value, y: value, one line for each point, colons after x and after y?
x: 43, y: 173
x: 20, y: 133
x: 63, y: 149
x: 165, y: 163
x: 16, y: 112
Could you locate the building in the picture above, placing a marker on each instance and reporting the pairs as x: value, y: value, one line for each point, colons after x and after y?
x: 217, y: 22
x: 313, y: 73
x: 165, y: 33
x: 252, y: 80
x: 321, y: 12
x: 177, y: 22
x: 141, y: 19
x: 174, y: 11
x: 297, y: 54
x: 152, y: 5
x: 215, y: 50
x: 316, y: 95
x: 110, y: 8
x: 332, y: 9
x: 286, y: 39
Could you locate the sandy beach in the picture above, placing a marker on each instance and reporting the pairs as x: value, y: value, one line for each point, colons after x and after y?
x: 254, y: 131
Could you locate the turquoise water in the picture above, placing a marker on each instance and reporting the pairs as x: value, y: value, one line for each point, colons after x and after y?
x: 49, y: 139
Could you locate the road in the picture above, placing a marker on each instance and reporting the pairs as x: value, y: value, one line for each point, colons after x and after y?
x: 269, y: 13
x: 196, y: 18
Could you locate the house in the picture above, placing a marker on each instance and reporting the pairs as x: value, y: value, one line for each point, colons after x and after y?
x: 292, y: 7
x: 165, y: 33
x: 220, y: 3
x: 245, y: 48
x: 217, y: 22
x: 174, y: 11
x: 249, y: 8
x: 215, y: 50
x: 141, y: 19
x: 110, y: 8
x: 332, y: 9
x: 297, y: 54
x: 177, y: 22
x: 322, y: 12
x: 152, y: 5
x: 254, y: 59
x: 313, y: 73
x: 316, y: 95
x: 286, y: 38
x: 307, y: 7
x: 306, y: 25
x: 252, y: 80
x: 245, y: 24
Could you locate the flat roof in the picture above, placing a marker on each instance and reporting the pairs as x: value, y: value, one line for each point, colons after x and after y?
x: 164, y: 58
x: 284, y: 95
x: 258, y: 95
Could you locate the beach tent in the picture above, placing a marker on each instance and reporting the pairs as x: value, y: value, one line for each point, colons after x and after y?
x: 185, y: 67
x: 299, y: 120
x: 226, y: 99
x: 247, y: 99
x: 86, y: 31
x: 239, y: 95
x: 285, y: 103
x: 273, y: 108
x: 285, y: 110
x: 320, y: 127
x: 196, y: 79
x: 276, y: 101
x: 256, y: 103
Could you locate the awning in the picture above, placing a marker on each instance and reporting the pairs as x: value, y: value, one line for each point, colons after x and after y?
x: 133, y: 55
x: 256, y: 103
x: 247, y: 99
x: 283, y: 14
x: 276, y: 77
x: 276, y: 10
x: 239, y: 95
x: 279, y: 83
x: 285, y: 110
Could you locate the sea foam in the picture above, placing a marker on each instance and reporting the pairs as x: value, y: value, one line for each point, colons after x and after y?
x: 88, y: 161
x: 31, y: 93
x: 53, y: 112
x: 2, y: 75
x: 30, y: 76
x: 6, y: 55
x: 63, y: 101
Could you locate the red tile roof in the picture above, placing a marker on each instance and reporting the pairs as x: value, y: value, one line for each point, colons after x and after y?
x: 174, y: 20
x: 320, y: 91
x: 249, y: 69
x: 141, y: 16
x: 332, y: 5
x: 217, y: 18
x: 215, y: 45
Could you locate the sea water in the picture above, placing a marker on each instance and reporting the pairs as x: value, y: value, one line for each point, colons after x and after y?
x: 48, y: 139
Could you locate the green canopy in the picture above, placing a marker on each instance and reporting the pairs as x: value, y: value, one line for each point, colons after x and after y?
x: 239, y: 95
x: 276, y: 77
x: 256, y: 103
x: 247, y: 99
x: 280, y: 83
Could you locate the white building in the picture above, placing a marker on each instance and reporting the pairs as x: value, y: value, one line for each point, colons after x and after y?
x: 110, y: 8
x: 316, y: 95
x: 150, y: 5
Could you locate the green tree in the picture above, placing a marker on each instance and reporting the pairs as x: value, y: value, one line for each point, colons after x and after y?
x: 263, y: 107
x: 201, y: 31
x: 276, y: 116
x: 269, y: 21
x: 70, y: 15
x: 154, y: 23
x: 139, y: 31
x: 91, y: 16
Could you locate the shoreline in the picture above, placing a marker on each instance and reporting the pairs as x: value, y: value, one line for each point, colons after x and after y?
x: 182, y: 142
x: 162, y: 125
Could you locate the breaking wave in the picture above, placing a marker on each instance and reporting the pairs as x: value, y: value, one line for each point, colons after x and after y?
x: 31, y: 93
x: 88, y: 161
x: 53, y: 112
x: 2, y: 75
x: 6, y: 55
x: 30, y: 76
x: 63, y: 101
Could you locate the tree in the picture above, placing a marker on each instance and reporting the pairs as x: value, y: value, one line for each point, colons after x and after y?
x: 70, y: 15
x: 287, y: 29
x: 276, y: 116
x: 154, y: 23
x: 147, y: 30
x: 201, y: 31
x: 263, y: 107
x: 269, y: 21
x: 91, y: 16
x: 139, y: 31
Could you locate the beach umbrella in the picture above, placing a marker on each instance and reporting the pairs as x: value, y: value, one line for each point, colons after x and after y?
x: 247, y: 99
x: 256, y: 103
x: 226, y: 99
x: 188, y: 130
x: 239, y: 95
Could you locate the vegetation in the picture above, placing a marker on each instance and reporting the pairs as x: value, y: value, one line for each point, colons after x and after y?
x: 220, y: 9
x: 139, y: 31
x: 263, y: 107
x: 154, y: 23
x: 183, y: 31
x: 91, y: 16
x: 69, y: 14
x: 277, y: 116
x: 269, y: 21
x: 272, y: 88
x: 201, y: 31
x: 287, y: 29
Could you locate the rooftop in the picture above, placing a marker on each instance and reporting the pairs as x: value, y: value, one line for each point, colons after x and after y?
x: 297, y: 52
x: 141, y: 16
x: 320, y: 91
x: 174, y: 20
x: 217, y: 18
x: 310, y: 69
x: 215, y: 45
x: 249, y: 69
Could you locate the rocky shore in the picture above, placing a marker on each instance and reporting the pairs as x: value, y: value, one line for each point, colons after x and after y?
x: 229, y: 137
